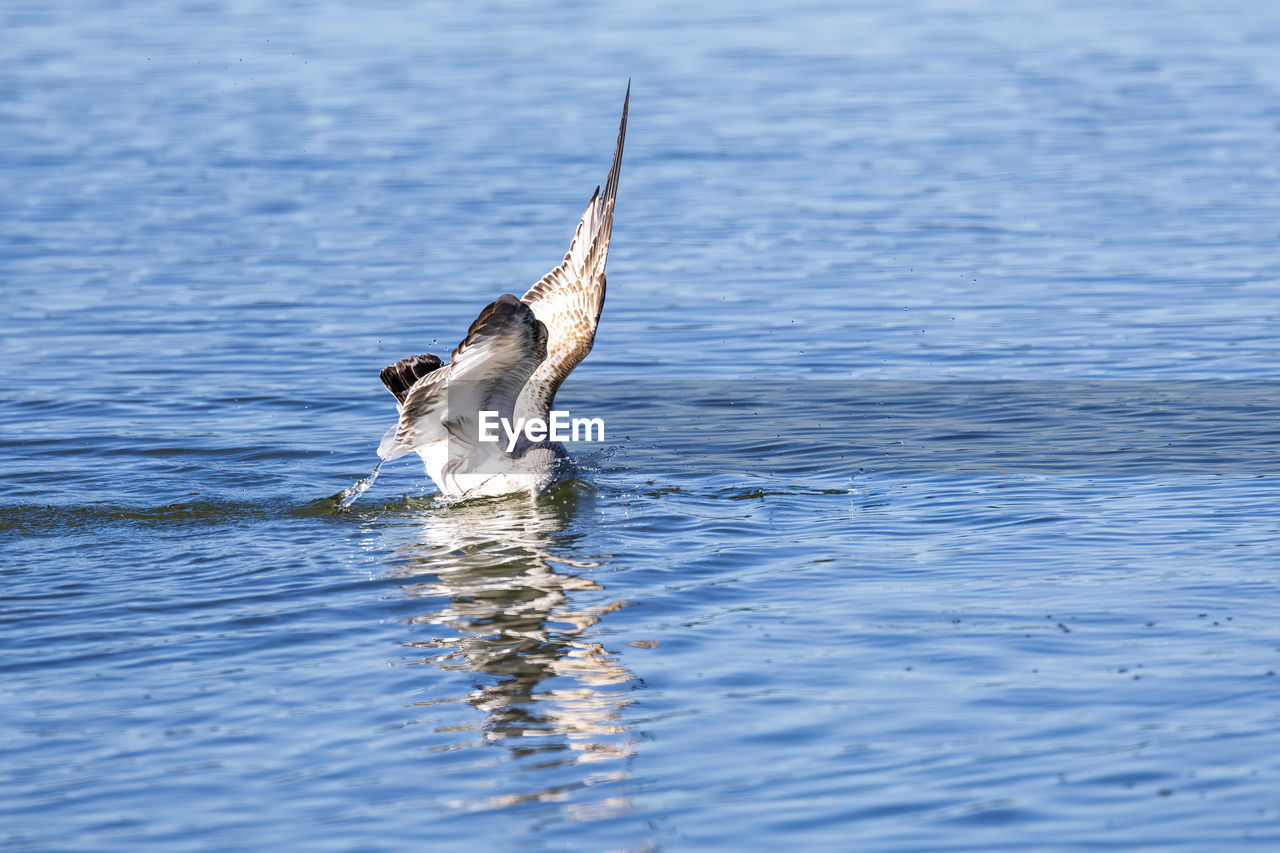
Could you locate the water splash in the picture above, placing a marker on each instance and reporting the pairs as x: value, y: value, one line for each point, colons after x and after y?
x: 350, y: 495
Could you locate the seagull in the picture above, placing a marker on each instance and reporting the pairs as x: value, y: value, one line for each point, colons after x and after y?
x: 511, y: 362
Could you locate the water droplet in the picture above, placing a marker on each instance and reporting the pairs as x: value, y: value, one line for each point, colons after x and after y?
x: 358, y: 488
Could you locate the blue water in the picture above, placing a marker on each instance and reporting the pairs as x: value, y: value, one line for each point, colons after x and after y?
x: 938, y: 507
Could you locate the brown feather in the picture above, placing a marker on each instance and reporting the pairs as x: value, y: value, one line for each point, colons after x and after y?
x: 402, y: 375
x: 570, y: 298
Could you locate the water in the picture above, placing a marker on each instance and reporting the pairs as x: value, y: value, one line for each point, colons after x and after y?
x: 938, y: 506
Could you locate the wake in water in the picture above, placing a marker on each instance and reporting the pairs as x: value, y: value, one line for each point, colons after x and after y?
x: 566, y: 470
x: 350, y: 495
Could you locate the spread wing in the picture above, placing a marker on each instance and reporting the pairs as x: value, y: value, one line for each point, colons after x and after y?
x: 570, y: 297
x: 502, y: 349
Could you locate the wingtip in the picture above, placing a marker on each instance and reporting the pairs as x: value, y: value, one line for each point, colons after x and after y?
x: 611, y: 185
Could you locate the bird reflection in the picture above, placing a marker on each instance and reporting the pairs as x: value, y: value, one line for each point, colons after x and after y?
x: 500, y: 574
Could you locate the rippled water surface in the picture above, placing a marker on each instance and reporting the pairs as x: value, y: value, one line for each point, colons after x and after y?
x: 938, y: 506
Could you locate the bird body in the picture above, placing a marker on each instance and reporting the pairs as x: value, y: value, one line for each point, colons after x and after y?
x: 512, y: 361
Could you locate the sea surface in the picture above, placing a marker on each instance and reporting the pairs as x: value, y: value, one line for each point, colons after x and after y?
x: 939, y: 501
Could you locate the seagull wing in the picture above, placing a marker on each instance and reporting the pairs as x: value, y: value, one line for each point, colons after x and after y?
x: 570, y: 297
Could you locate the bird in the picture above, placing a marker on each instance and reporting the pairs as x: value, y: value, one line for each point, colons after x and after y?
x: 512, y: 361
